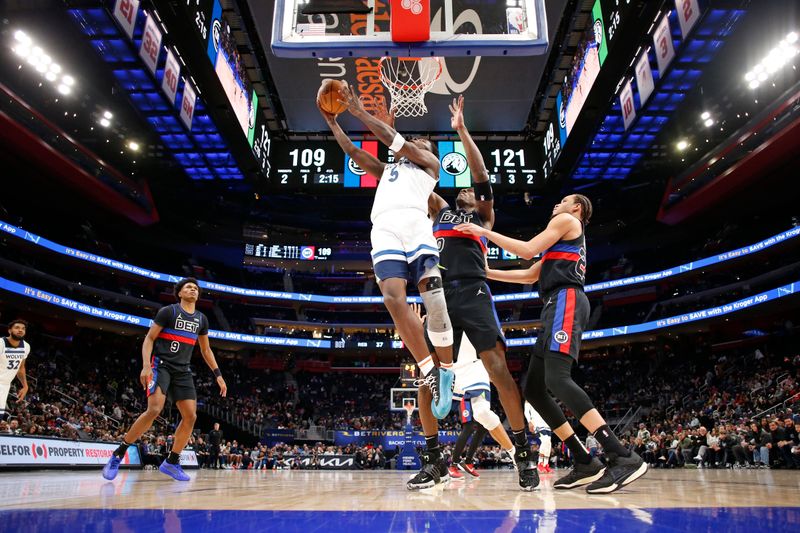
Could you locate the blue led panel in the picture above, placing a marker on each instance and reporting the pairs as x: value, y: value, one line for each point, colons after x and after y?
x: 114, y: 47
x: 114, y: 50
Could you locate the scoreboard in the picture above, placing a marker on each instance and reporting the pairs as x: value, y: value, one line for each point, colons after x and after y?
x: 322, y: 165
x: 328, y: 252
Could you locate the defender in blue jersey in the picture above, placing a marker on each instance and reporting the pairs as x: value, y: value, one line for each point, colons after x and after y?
x: 166, y: 353
x: 561, y: 274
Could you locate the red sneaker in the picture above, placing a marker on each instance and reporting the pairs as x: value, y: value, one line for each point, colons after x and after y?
x: 470, y: 469
x: 547, y: 468
x: 455, y: 473
x: 542, y: 468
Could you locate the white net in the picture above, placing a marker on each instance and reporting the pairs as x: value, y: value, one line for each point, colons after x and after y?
x: 408, y: 79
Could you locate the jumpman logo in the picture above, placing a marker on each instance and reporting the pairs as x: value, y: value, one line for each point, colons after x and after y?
x: 480, y: 291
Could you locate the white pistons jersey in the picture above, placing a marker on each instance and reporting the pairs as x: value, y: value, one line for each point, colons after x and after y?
x: 469, y: 370
x: 403, y: 185
x: 11, y: 358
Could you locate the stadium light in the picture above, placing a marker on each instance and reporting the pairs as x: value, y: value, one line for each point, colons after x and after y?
x: 774, y: 61
x: 25, y: 47
x: 682, y: 145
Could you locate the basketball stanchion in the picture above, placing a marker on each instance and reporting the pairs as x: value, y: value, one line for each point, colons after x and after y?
x: 408, y: 459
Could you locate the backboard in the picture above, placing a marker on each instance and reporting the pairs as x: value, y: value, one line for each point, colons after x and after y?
x: 457, y: 28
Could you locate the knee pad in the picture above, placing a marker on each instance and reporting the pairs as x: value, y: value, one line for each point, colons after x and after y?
x: 483, y: 414
x: 440, y: 330
x: 565, y: 389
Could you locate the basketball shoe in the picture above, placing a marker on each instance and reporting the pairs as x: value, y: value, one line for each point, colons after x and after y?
x: 173, y: 471
x: 469, y: 468
x: 544, y: 468
x: 441, y: 382
x: 455, y: 473
x: 433, y: 471
x: 526, y: 469
x: 112, y: 467
x: 620, y: 472
x: 581, y: 474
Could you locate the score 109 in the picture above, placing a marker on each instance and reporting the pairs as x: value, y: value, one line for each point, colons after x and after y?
x: 300, y: 164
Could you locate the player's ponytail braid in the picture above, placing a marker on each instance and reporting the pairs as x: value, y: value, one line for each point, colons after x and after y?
x: 586, y: 207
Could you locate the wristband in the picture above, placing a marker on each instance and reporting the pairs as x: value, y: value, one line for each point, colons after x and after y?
x: 397, y: 143
x: 483, y: 191
x: 217, y: 373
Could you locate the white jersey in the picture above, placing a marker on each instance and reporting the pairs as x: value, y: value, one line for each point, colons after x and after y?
x: 469, y: 370
x: 534, y: 418
x: 11, y: 358
x: 403, y: 185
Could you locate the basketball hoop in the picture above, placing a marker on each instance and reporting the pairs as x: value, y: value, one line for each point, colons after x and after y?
x: 409, y: 407
x: 408, y: 80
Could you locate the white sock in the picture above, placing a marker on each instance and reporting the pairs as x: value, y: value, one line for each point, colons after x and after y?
x: 426, y: 365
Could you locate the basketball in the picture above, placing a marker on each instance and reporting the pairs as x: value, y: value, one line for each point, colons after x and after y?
x: 329, y: 97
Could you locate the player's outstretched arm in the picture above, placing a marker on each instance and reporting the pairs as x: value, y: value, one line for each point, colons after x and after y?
x: 387, y: 134
x: 519, y: 275
x: 559, y: 226
x: 211, y: 361
x: 480, y: 176
x: 364, y: 159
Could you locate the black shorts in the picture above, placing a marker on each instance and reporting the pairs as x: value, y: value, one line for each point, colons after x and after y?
x: 471, y: 310
x: 564, y: 317
x: 175, y: 383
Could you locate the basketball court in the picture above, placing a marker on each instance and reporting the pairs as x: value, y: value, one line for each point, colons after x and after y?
x: 668, y: 500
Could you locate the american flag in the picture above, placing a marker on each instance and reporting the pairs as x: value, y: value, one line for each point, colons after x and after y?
x: 311, y: 29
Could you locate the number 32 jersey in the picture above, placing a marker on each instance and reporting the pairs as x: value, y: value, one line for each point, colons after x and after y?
x: 11, y: 358
x: 176, y: 341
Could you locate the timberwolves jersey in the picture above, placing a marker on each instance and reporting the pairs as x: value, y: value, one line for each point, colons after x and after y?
x: 563, y: 265
x: 11, y: 358
x: 461, y: 256
x: 176, y: 341
x: 403, y: 185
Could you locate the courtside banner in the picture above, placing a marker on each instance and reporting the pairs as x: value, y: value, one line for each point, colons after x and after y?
x: 48, y: 452
x: 278, y: 295
x: 389, y: 439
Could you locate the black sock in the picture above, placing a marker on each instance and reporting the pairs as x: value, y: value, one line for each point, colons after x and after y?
x: 579, y: 453
x: 120, y: 451
x: 432, y: 443
x: 610, y: 442
x: 174, y: 458
x: 519, y: 438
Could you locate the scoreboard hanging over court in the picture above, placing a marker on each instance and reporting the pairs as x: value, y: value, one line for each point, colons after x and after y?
x: 322, y: 165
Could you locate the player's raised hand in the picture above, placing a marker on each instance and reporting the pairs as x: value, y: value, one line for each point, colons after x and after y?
x: 384, y: 115
x: 457, y: 111
x: 472, y: 229
x: 329, y: 117
x: 349, y: 98
x: 223, y: 387
x: 417, y: 310
x: 146, y: 377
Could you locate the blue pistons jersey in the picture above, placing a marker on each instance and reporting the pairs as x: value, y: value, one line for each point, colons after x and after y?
x: 178, y: 337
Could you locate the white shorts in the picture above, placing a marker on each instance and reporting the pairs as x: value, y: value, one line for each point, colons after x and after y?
x: 5, y: 388
x: 403, y: 242
x: 471, y: 377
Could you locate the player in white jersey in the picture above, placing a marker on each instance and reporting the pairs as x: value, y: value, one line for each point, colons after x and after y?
x: 473, y: 393
x: 539, y: 428
x: 13, y: 352
x: 403, y: 250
